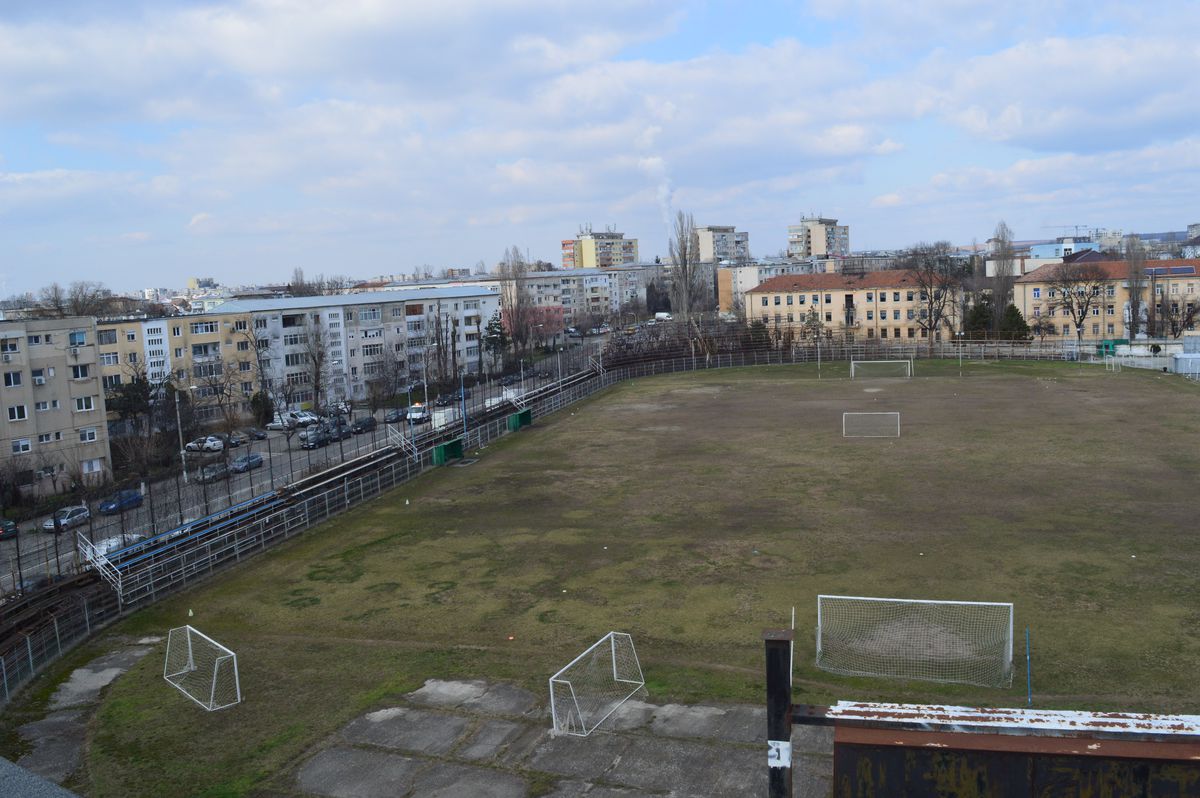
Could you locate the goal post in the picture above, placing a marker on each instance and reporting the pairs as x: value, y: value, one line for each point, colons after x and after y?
x: 870, y: 425
x: 869, y: 369
x: 202, y: 669
x: 958, y: 642
x: 585, y: 692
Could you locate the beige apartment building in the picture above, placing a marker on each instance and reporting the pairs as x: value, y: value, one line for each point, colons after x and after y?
x: 54, y: 417
x: 1170, y: 298
x: 722, y: 243
x: 818, y: 237
x: 883, y: 305
x: 599, y: 250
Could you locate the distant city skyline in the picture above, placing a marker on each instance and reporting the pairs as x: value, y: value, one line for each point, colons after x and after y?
x: 144, y: 143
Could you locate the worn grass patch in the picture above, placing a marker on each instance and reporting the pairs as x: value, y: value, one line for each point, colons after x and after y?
x: 693, y: 511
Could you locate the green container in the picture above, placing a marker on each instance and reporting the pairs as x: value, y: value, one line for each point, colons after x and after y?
x: 445, y: 452
x: 523, y: 418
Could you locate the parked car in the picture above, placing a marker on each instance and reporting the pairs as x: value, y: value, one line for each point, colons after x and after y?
x: 341, y: 408
x: 511, y: 379
x: 67, y: 518
x: 120, y: 501
x: 315, y: 440
x: 419, y: 414
x: 364, y: 424
x: 8, y: 529
x: 257, y: 434
x: 283, y: 421
x: 209, y: 443
x: 213, y: 472
x: 338, y: 432
x: 394, y: 416
x: 236, y: 439
x: 246, y: 462
x: 304, y: 418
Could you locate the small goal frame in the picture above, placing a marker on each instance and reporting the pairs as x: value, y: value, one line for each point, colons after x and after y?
x: 190, y: 673
x: 855, y: 364
x: 576, y: 712
x: 889, y: 434
x: 1003, y: 676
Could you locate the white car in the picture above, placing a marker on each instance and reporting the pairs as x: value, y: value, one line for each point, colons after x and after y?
x: 305, y: 418
x: 209, y: 443
x: 68, y: 518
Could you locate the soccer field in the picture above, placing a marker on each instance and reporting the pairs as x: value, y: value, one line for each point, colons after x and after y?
x: 693, y: 511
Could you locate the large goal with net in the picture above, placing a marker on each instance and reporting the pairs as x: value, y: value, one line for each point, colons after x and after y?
x: 202, y: 669
x: 961, y: 642
x: 872, y: 369
x: 591, y: 687
x: 870, y: 425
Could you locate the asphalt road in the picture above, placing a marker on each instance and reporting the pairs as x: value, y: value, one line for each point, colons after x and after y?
x: 172, y: 502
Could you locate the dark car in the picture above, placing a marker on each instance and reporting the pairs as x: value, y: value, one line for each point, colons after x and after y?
x: 257, y: 434
x: 316, y: 439
x: 8, y: 529
x: 394, y: 416
x: 120, y: 501
x: 246, y: 462
x: 443, y: 400
x: 511, y: 379
x: 213, y: 472
x: 338, y: 432
x: 364, y: 424
x: 236, y: 439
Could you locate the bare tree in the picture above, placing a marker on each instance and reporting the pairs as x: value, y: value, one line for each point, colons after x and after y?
x: 687, y: 283
x: 317, y: 362
x: 933, y: 270
x: 1135, y: 256
x: 53, y: 300
x: 516, y: 305
x: 1076, y: 289
x: 1005, y: 272
x: 86, y: 298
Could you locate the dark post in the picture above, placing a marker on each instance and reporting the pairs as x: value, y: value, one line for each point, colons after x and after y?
x: 779, y: 712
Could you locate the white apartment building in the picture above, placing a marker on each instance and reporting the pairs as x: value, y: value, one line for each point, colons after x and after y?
x: 818, y: 237
x: 340, y: 344
x: 719, y: 243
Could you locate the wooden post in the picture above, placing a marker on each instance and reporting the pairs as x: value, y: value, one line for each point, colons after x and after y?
x: 779, y: 712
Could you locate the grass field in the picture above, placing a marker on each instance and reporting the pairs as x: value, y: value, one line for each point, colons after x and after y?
x: 694, y: 511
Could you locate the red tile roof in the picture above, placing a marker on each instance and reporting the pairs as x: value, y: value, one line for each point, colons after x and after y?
x: 799, y: 283
x: 1119, y: 269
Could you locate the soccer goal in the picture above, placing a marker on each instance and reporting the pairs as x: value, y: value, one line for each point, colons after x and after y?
x: 203, y: 669
x: 870, y: 425
x: 1111, y: 363
x: 961, y: 642
x: 869, y: 369
x: 594, y: 684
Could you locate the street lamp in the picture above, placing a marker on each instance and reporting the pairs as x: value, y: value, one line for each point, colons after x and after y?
x: 959, y: 335
x: 179, y: 429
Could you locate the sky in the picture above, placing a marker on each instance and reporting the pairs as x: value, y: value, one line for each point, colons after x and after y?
x: 142, y: 143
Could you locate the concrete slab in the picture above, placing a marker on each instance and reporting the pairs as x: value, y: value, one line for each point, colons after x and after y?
x: 407, y: 730
x: 582, y: 789
x: 584, y: 758
x: 489, y: 739
x: 458, y: 781
x: 502, y: 699
x: 678, y: 766
x: 521, y: 747
x: 352, y: 773
x: 57, y: 741
x: 84, y: 684
x: 742, y: 724
x: 441, y: 693
x: 633, y: 714
x: 812, y: 776
x: 677, y: 720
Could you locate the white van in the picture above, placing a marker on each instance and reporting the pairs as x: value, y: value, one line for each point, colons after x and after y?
x: 285, y: 420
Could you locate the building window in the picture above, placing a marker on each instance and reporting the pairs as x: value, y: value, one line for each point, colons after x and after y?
x: 244, y: 365
x: 800, y: 299
x: 764, y: 304
x: 910, y: 296
x: 93, y: 466
x: 17, y: 413
x: 789, y: 299
x: 870, y: 296
x: 243, y: 346
x: 371, y: 350
x: 203, y: 327
x: 777, y: 299
x: 38, y: 407
x: 1110, y: 329
x: 79, y: 372
x: 12, y: 379
x: 1111, y: 310
x: 1066, y: 329
x: 106, y: 337
x: 295, y: 339
x: 77, y: 338
x: 9, y: 345
x: 37, y: 339
x: 87, y: 434
x: 131, y: 335
x: 1037, y: 293
x: 829, y: 317
x: 133, y: 357
x: 110, y: 381
x: 240, y: 325
x: 247, y: 388
x: 870, y: 315
x: 20, y: 446
x: 883, y: 332
x: 84, y: 404
x: 260, y: 324
x: 110, y: 359
x: 294, y: 359
x: 829, y: 299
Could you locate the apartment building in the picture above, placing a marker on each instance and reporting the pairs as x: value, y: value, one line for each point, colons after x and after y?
x: 718, y: 243
x: 1169, y: 301
x: 734, y: 281
x: 883, y: 304
x: 323, y: 349
x: 599, y: 250
x: 818, y: 237
x: 54, y: 415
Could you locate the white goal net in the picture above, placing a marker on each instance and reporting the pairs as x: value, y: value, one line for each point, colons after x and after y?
x: 961, y: 642
x: 589, y: 689
x: 870, y: 425
x: 868, y: 369
x: 202, y: 669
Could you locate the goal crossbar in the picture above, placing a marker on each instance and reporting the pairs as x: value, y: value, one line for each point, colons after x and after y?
x: 962, y: 642
x: 890, y: 368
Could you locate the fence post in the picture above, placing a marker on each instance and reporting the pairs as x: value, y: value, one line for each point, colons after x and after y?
x: 57, y: 639
x: 4, y: 676
x: 779, y: 712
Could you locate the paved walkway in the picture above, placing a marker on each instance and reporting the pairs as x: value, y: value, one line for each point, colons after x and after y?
x: 493, y: 741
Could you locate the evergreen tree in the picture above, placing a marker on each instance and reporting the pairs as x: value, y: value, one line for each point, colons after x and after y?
x: 1013, y: 325
x: 978, y: 322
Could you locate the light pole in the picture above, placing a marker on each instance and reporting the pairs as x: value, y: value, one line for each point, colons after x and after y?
x: 462, y: 397
x: 179, y: 429
x: 558, y: 356
x: 959, y: 336
x: 521, y: 362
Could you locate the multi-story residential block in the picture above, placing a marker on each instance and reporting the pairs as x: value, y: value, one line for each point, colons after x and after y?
x: 1167, y: 306
x: 818, y: 237
x: 722, y: 243
x: 883, y: 304
x: 734, y: 281
x: 599, y: 250
x: 323, y: 349
x: 54, y: 417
